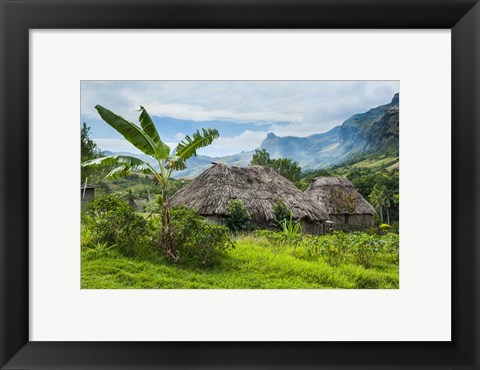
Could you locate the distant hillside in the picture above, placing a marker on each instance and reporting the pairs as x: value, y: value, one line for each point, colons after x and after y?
x: 364, y: 135
x: 310, y: 152
x: 375, y: 131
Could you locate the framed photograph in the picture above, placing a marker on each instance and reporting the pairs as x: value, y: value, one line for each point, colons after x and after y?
x: 240, y: 184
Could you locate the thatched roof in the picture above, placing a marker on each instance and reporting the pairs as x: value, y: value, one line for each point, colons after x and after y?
x: 257, y: 187
x: 337, y: 195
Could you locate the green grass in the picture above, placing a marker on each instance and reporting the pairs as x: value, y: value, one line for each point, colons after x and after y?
x: 253, y: 264
x: 374, y: 163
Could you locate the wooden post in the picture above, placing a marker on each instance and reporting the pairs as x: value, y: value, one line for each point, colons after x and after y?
x: 84, y: 188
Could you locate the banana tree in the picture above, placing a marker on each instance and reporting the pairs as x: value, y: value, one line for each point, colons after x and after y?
x: 146, y: 139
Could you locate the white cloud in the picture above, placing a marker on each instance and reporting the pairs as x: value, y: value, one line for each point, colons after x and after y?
x: 247, y: 140
x: 287, y: 108
x: 303, y: 102
x: 116, y: 145
x: 121, y: 145
x: 303, y: 129
x: 179, y: 136
x: 198, y: 113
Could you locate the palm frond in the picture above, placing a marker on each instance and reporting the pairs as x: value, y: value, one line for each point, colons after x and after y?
x: 126, y: 164
x: 113, y: 160
x: 189, y: 146
x: 148, y: 126
x: 118, y: 172
x: 134, y: 134
x: 176, y: 163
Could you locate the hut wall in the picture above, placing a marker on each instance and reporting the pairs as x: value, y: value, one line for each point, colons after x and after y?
x: 89, y: 194
x: 360, y: 220
x: 308, y: 227
x: 312, y: 227
x: 218, y: 220
x: 337, y: 219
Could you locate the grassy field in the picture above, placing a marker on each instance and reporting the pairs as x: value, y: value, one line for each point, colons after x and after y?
x: 253, y: 264
x: 377, y: 163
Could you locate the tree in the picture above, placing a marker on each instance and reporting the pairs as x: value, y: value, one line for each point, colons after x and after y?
x: 88, y: 150
x: 146, y: 139
x: 288, y: 168
x: 284, y: 166
x: 376, y: 199
x: 386, y: 202
x: 380, y: 198
x: 261, y: 158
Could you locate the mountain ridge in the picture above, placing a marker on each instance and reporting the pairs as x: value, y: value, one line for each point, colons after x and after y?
x: 367, y: 133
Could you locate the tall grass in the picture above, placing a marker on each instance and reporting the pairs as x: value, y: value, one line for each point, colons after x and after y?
x: 253, y: 264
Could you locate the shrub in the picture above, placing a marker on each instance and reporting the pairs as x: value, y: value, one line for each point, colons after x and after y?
x: 311, y: 246
x: 359, y: 248
x: 372, y: 230
x: 112, y: 221
x: 395, y: 227
x: 291, y: 230
x: 99, y: 249
x: 290, y: 235
x: 390, y: 244
x: 275, y: 239
x: 239, y: 218
x: 197, y: 241
x: 334, y: 248
x: 363, y: 248
x: 155, y: 205
x: 281, y: 211
x: 350, y: 228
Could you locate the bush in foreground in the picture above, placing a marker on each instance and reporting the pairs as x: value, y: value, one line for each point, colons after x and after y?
x: 339, y: 248
x: 109, y: 220
x: 197, y: 241
x: 239, y: 219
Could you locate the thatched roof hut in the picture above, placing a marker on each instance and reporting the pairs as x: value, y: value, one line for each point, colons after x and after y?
x: 343, y: 203
x: 257, y: 187
x: 87, y: 193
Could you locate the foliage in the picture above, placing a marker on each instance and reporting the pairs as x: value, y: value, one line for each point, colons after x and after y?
x: 380, y: 198
x: 290, y: 234
x: 197, y: 241
x: 288, y: 168
x: 261, y: 158
x: 395, y: 228
x: 291, y: 230
x: 130, y: 196
x: 99, y: 249
x: 275, y: 239
x: 365, y: 172
x: 251, y: 265
x: 281, y: 211
x: 284, y: 166
x: 147, y: 139
x: 333, y: 248
x: 344, y: 201
x: 338, y: 248
x: 238, y: 219
x: 88, y: 150
x: 363, y: 248
x: 384, y: 227
x: 111, y: 221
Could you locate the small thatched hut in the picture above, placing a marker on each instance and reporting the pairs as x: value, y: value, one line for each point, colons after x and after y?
x: 87, y: 193
x: 257, y: 187
x: 343, y: 203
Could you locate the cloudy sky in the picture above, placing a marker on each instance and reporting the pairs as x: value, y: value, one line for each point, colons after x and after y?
x: 242, y: 111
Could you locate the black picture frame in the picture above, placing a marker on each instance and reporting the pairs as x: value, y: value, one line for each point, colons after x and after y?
x: 18, y: 16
